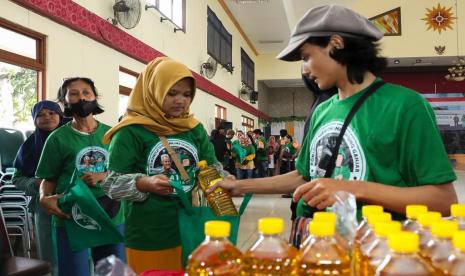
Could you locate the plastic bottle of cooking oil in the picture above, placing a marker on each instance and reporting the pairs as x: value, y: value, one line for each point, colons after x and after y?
x: 376, y: 252
x: 323, y: 255
x: 219, y: 201
x: 216, y: 255
x: 369, y: 237
x: 403, y: 259
x: 331, y: 217
x: 440, y: 247
x: 425, y: 220
x: 270, y: 254
x: 412, y: 211
x: 362, y: 228
x: 457, y: 258
x: 457, y: 212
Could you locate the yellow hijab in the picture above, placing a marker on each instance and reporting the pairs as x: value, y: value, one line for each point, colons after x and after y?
x: 146, y: 100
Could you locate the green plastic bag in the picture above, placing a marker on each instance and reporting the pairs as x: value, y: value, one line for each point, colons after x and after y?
x: 192, y: 221
x: 89, y: 225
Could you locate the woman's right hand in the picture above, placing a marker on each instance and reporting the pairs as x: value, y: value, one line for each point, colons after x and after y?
x: 157, y: 184
x: 228, y: 184
x: 50, y: 205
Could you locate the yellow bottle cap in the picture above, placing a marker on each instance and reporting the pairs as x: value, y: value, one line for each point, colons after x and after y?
x: 325, y: 216
x: 217, y: 228
x: 384, y: 228
x: 270, y: 226
x: 322, y: 228
x: 378, y: 217
x: 459, y: 240
x: 366, y: 209
x: 457, y: 210
x: 427, y: 218
x: 444, y: 228
x: 404, y: 242
x: 202, y: 164
x: 413, y: 210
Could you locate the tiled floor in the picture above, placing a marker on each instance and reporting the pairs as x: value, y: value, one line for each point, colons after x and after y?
x: 273, y: 205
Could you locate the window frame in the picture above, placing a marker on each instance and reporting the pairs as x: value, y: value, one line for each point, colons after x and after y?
x: 248, y: 123
x: 164, y: 17
x: 216, y: 29
x: 123, y: 89
x: 247, y: 70
x: 38, y: 64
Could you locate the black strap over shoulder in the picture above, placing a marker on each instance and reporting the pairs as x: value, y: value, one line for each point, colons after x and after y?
x: 334, y: 152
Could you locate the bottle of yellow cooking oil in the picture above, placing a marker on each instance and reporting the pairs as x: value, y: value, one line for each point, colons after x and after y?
x: 323, y: 255
x: 424, y: 232
x: 376, y: 252
x: 456, y: 264
x: 403, y: 258
x: 218, y: 200
x: 412, y: 211
x: 457, y: 212
x: 369, y: 237
x: 216, y: 255
x: 440, y: 247
x: 270, y: 254
x: 331, y: 217
x: 362, y: 229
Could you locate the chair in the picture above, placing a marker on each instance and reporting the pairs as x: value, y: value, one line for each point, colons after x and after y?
x: 18, y: 266
x: 11, y: 140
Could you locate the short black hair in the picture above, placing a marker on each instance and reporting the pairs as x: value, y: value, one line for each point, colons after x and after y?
x: 258, y: 131
x: 359, y: 55
x: 64, y: 87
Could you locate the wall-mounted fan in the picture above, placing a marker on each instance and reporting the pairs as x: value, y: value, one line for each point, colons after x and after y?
x: 126, y: 13
x: 244, y: 92
x: 208, y: 69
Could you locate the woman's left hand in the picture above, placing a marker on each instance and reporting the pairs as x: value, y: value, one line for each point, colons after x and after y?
x: 91, y: 178
x: 319, y: 193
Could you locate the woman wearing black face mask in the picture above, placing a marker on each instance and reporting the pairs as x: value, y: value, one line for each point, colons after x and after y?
x: 77, y: 146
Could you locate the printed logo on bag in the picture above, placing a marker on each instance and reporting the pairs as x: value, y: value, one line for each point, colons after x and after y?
x: 350, y: 162
x: 160, y: 162
x: 92, y: 159
x: 84, y: 220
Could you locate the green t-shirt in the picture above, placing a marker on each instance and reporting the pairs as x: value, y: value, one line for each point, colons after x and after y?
x: 261, y: 149
x: 392, y: 139
x: 67, y: 149
x: 153, y: 223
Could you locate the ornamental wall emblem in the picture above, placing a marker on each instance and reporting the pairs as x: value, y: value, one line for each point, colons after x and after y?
x: 439, y: 18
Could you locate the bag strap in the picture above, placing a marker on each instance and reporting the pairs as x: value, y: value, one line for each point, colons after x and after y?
x: 188, y: 206
x: 332, y: 161
x: 175, y: 158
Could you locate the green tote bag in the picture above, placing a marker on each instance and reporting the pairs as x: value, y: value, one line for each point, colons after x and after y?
x: 192, y: 220
x: 89, y: 225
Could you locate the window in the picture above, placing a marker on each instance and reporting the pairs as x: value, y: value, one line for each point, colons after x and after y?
x: 22, y: 67
x: 219, y: 41
x: 247, y: 123
x: 127, y: 81
x: 220, y: 115
x: 247, y: 70
x: 172, y: 10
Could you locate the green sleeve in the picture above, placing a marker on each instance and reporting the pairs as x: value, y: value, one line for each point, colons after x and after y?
x: 303, y: 161
x: 51, y: 163
x: 205, y: 150
x: 26, y: 184
x: 423, y: 158
x: 125, y: 151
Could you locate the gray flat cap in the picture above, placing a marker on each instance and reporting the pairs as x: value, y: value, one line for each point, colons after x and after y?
x: 325, y: 21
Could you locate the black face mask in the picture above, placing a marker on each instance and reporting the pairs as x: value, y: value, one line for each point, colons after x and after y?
x: 82, y: 108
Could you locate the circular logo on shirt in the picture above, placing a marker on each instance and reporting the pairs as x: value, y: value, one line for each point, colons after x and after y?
x: 160, y: 161
x: 350, y: 161
x: 92, y: 159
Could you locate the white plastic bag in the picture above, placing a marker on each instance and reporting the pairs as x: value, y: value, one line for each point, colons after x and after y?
x: 113, y: 266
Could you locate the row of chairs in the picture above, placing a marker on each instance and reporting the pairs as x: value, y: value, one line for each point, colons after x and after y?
x: 15, y: 217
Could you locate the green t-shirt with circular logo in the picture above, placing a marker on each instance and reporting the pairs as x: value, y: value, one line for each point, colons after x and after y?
x: 153, y: 223
x: 393, y: 139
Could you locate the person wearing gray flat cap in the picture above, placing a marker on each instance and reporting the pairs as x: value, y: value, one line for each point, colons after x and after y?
x: 387, y: 152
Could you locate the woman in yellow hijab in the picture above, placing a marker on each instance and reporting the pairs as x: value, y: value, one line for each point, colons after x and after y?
x: 142, y: 167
